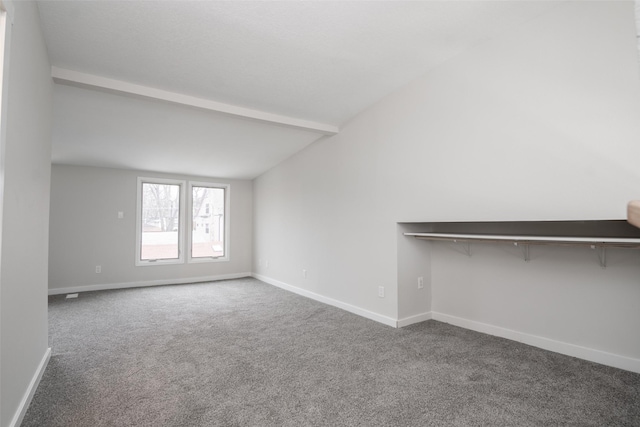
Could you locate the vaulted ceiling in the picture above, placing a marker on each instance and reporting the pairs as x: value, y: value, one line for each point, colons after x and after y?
x: 230, y: 89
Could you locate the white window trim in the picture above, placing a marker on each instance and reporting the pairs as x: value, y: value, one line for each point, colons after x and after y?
x: 227, y: 221
x: 181, y: 228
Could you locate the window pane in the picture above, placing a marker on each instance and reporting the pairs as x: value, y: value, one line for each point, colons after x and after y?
x: 207, y: 234
x: 160, y: 221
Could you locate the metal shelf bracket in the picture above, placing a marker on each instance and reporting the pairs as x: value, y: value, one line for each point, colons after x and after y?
x: 466, y: 246
x: 602, y: 254
x: 525, y: 250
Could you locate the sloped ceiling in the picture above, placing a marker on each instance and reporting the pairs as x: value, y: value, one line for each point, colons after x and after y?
x: 319, y: 61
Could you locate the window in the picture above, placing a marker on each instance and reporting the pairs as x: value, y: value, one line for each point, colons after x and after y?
x: 208, y: 218
x: 163, y: 205
x: 160, y: 221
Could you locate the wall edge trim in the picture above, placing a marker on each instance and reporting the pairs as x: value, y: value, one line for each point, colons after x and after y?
x: 585, y: 353
x: 329, y: 301
x: 31, y: 390
x: 142, y: 284
x: 417, y: 318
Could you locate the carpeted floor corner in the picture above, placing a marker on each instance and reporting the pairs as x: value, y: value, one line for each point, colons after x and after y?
x: 243, y: 353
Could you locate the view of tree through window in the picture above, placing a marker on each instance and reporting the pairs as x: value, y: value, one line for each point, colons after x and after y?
x: 208, y: 222
x: 160, y: 221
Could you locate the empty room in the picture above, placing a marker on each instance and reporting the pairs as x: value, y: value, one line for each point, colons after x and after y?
x: 319, y: 213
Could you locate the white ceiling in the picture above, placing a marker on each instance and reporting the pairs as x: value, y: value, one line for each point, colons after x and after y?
x: 95, y: 128
x: 323, y: 61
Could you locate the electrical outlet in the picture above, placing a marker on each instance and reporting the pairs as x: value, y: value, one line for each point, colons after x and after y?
x: 98, y: 269
x: 266, y: 263
x: 259, y: 262
x: 381, y: 291
x: 420, y: 282
x: 304, y: 273
x: 120, y: 214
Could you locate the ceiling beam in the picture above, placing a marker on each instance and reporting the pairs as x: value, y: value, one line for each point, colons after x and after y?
x: 75, y: 78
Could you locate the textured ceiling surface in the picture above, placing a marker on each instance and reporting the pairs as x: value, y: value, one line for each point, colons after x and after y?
x: 324, y: 61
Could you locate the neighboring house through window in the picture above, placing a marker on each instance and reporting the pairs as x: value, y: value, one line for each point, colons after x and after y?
x: 209, y: 221
x: 165, y: 206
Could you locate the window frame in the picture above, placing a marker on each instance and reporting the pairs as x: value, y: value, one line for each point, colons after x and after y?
x: 227, y: 192
x: 181, y: 218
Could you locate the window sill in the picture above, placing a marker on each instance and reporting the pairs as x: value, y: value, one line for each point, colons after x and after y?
x: 207, y: 259
x: 140, y: 263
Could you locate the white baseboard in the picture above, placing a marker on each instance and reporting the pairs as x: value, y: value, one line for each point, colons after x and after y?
x: 31, y: 389
x: 108, y: 286
x: 414, y: 319
x: 604, y: 358
x: 609, y: 359
x: 330, y: 301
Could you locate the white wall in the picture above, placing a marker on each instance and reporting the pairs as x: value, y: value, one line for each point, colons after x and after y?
x: 25, y: 225
x: 539, y: 124
x: 86, y: 232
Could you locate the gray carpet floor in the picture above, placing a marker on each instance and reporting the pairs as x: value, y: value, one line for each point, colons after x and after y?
x: 243, y: 353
